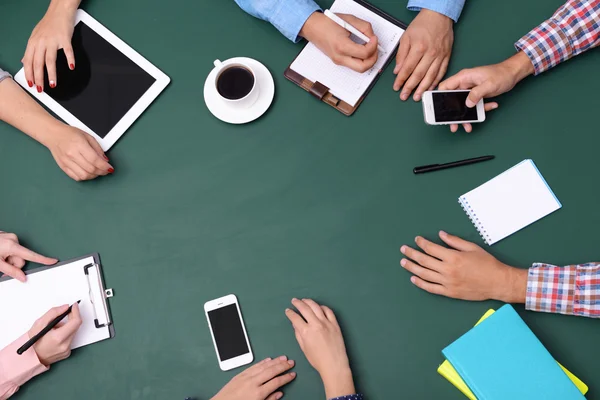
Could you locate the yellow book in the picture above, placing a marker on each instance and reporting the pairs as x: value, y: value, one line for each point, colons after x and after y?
x: 448, y: 372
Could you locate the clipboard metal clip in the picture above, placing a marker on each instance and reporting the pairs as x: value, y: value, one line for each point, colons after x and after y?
x: 104, y: 293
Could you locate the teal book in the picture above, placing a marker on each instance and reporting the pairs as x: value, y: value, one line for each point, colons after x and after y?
x: 502, y: 359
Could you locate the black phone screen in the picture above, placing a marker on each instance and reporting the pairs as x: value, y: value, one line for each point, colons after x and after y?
x: 228, y: 332
x: 450, y: 106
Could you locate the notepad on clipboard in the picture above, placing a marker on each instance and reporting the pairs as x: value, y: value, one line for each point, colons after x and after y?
x: 508, y: 203
x: 48, y: 287
x: 340, y: 86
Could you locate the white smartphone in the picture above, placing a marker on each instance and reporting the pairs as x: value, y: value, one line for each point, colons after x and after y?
x: 228, y: 332
x: 444, y: 107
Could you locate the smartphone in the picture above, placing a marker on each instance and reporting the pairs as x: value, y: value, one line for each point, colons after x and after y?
x: 228, y: 332
x: 444, y: 107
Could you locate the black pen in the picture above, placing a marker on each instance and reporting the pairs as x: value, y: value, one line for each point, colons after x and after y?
x: 47, y: 329
x: 437, y: 167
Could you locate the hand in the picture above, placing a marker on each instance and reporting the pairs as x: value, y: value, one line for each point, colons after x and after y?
x: 52, y: 33
x: 320, y: 338
x: 56, y: 344
x: 489, y: 81
x: 423, y: 54
x: 78, y: 154
x: 335, y: 41
x: 464, y: 271
x: 259, y: 382
x: 13, y: 256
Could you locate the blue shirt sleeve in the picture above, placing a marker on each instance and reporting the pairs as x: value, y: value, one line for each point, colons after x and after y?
x: 449, y: 8
x: 350, y: 397
x: 288, y: 16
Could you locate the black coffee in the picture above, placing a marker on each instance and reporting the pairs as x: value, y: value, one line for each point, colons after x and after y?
x: 235, y: 83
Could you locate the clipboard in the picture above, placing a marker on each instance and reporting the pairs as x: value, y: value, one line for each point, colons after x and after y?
x: 50, y: 286
x: 321, y: 92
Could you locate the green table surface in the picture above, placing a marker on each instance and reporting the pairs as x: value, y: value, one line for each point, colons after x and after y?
x: 302, y: 202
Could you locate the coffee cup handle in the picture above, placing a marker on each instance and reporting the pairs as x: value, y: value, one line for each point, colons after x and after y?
x: 218, y: 63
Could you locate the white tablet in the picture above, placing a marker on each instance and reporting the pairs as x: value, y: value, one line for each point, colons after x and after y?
x: 109, y: 89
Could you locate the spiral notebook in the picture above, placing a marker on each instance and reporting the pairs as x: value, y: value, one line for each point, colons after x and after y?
x: 508, y: 203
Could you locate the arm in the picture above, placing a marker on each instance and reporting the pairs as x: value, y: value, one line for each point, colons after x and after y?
x: 298, y: 19
x: 466, y: 271
x: 449, y: 8
x: 52, y: 33
x: 426, y: 46
x: 288, y: 16
x: 320, y: 338
x: 16, y: 369
x: 76, y: 153
x: 55, y: 346
x: 572, y: 290
x: 573, y: 29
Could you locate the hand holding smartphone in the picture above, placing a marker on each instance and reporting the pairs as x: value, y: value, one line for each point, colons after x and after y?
x: 445, y: 107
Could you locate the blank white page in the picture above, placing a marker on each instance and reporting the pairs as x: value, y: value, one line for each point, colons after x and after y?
x: 514, y: 199
x: 24, y: 303
x: 344, y: 83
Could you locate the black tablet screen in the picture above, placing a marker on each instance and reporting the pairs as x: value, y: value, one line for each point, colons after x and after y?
x: 104, y: 85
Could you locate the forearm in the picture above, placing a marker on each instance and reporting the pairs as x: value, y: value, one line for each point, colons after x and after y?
x: 520, y: 67
x: 338, y: 383
x: 288, y: 16
x: 450, y: 8
x: 64, y: 5
x: 18, y: 109
x: 16, y: 369
x: 571, y: 290
x: 572, y: 30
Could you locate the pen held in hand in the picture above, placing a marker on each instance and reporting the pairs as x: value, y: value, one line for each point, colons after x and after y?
x: 44, y: 331
x: 350, y: 28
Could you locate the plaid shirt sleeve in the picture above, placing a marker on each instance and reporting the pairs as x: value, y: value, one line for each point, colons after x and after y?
x: 573, y: 29
x: 573, y: 290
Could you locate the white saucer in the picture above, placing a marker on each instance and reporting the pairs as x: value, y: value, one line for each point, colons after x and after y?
x: 234, y: 115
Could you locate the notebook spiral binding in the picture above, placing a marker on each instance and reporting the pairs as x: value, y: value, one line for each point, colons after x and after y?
x: 473, y: 217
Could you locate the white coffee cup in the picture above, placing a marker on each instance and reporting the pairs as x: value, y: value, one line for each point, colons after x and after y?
x: 249, y: 99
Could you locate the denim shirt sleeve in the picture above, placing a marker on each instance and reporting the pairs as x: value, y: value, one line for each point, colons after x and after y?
x: 449, y: 8
x: 3, y: 75
x: 288, y: 16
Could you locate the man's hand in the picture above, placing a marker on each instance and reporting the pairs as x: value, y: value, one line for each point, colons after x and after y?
x: 56, y: 344
x: 424, y: 53
x: 335, y: 41
x: 489, y: 81
x: 463, y: 271
x: 13, y: 256
x: 321, y: 340
x: 259, y: 382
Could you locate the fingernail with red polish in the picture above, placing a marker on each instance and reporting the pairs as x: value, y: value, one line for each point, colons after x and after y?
x: 71, y: 67
x: 111, y: 170
x: 30, y: 83
x: 106, y: 158
x: 39, y: 89
x: 52, y: 84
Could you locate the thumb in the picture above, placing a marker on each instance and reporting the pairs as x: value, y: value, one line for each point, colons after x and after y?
x: 96, y: 146
x: 478, y: 93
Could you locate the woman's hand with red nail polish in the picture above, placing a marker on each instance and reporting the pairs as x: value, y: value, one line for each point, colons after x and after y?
x: 52, y: 33
x: 78, y: 154
x: 261, y: 381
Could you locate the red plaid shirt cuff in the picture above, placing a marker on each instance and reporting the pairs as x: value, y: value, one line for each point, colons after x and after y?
x: 573, y: 290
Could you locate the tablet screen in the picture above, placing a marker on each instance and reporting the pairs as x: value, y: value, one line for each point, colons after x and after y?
x: 104, y: 85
